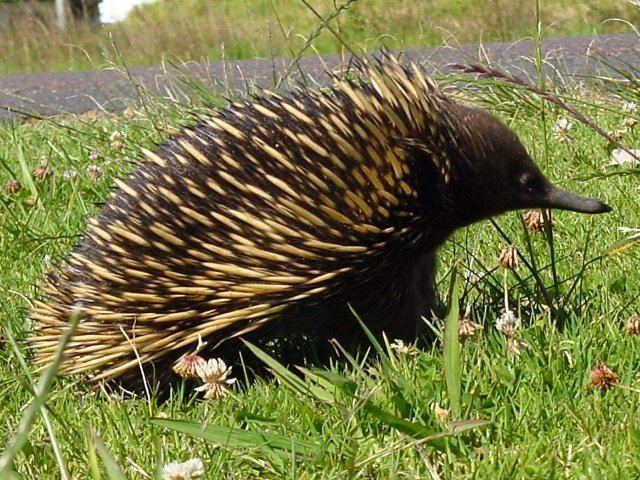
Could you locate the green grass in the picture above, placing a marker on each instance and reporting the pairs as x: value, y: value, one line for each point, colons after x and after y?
x: 186, y: 30
x: 356, y: 419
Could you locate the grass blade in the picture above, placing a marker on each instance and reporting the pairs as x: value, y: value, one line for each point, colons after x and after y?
x: 289, y: 379
x: 19, y: 439
x: 26, y: 174
x: 384, y: 358
x: 624, y: 244
x: 451, y: 348
x: 114, y: 471
x: 237, y: 437
x: 57, y: 451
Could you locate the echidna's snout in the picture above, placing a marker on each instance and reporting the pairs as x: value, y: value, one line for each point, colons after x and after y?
x: 534, y: 190
x: 564, y: 200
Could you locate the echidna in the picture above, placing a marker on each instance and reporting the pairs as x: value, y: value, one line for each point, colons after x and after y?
x: 276, y: 214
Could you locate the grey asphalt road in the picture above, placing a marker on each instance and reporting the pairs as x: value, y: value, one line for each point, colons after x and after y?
x: 574, y: 58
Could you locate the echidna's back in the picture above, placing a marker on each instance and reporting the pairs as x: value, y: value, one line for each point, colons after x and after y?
x: 273, y: 213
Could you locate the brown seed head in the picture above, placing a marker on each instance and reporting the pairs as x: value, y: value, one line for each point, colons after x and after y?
x: 467, y: 328
x: 534, y: 220
x: 633, y: 325
x: 441, y: 413
x: 509, y: 257
x: 617, y: 134
x: 12, y: 187
x: 187, y: 365
x: 42, y: 172
x: 602, y: 377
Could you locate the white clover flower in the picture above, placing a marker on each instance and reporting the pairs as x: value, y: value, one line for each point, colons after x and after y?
x: 94, y: 155
x: 69, y: 175
x: 404, y: 348
x: 561, y: 130
x: 94, y: 171
x: 116, y: 139
x: 620, y: 157
x: 629, y: 107
x: 183, y: 470
x: 515, y: 346
x: 508, y: 323
x: 214, y: 373
x: 472, y: 277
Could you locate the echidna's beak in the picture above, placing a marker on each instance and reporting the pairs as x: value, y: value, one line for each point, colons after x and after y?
x: 565, y: 200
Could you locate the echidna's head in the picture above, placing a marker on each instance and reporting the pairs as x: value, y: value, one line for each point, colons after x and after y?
x: 498, y: 174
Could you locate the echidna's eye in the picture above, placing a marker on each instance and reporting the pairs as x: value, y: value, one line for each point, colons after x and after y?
x: 528, y: 183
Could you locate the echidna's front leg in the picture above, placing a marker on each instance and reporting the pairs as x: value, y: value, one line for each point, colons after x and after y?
x: 414, y: 299
x: 420, y: 298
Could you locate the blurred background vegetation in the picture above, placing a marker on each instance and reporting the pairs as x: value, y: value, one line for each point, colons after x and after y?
x: 184, y: 30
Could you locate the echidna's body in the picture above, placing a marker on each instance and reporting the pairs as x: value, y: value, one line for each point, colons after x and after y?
x: 281, y: 212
